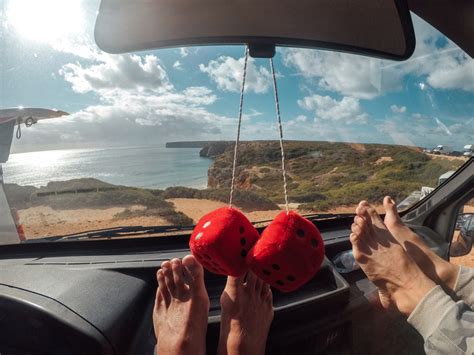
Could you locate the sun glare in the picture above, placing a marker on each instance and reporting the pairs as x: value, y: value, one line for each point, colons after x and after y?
x: 45, y: 20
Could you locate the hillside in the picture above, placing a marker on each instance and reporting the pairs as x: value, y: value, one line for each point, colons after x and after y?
x: 322, y: 175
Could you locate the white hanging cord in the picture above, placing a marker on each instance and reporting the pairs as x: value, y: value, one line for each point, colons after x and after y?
x: 242, y: 89
x: 277, y: 105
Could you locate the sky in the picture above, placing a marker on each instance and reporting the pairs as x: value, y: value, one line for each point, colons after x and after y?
x: 49, y: 59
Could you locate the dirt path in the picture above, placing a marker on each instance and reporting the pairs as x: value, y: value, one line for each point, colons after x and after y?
x: 446, y: 157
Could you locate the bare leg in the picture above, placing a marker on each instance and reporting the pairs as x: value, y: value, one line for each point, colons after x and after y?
x: 247, y: 313
x: 181, y: 308
x: 400, y: 281
x: 436, y: 268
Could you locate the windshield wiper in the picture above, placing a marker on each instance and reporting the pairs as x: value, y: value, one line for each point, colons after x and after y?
x: 117, y: 232
x: 314, y: 217
x: 140, y: 231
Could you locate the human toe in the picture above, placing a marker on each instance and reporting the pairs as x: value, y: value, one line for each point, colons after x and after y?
x: 259, y: 286
x: 360, y: 227
x: 250, y: 281
x: 178, y: 278
x: 195, y: 271
x: 375, y: 217
x: 391, y: 211
x: 234, y: 283
x: 162, y: 288
x: 169, y: 280
x: 364, y: 203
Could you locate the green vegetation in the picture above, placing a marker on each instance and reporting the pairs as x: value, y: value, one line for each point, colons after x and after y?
x: 323, y: 175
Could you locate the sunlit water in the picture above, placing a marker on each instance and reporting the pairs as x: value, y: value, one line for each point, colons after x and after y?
x: 148, y: 166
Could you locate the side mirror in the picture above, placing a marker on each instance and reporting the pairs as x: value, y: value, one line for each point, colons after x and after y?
x: 462, y: 240
x: 467, y: 227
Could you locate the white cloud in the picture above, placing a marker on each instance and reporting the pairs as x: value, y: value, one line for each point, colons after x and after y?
x: 349, y: 75
x: 326, y: 108
x: 426, y: 131
x: 445, y: 67
x: 138, y: 103
x: 227, y: 73
x: 398, y: 109
x: 184, y: 52
x: 253, y: 113
x: 118, y: 72
x: 453, y: 72
x: 177, y: 65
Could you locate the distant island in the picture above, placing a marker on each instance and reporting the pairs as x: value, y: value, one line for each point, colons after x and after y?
x: 189, y: 144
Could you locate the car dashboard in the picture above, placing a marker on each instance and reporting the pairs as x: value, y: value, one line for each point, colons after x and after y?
x: 100, y: 302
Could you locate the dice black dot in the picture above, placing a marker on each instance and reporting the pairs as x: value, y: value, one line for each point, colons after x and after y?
x: 243, y: 253
x: 300, y: 233
x: 243, y: 241
x: 279, y: 282
x: 314, y: 243
x: 276, y: 267
x: 290, y: 278
x: 242, y: 230
x: 266, y: 272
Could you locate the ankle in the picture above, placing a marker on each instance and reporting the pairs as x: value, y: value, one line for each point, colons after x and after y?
x: 408, y: 295
x: 448, y: 273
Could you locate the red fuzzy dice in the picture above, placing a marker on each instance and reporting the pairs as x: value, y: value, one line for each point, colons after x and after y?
x: 221, y: 241
x: 289, y: 252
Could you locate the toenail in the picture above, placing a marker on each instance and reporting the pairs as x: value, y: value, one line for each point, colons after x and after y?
x: 200, y: 234
x: 207, y: 224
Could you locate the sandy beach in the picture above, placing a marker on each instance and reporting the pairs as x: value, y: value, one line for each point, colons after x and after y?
x: 43, y: 221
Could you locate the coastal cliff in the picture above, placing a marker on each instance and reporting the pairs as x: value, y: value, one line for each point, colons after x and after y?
x: 324, y: 174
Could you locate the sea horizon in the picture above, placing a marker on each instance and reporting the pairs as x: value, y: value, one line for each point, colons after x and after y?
x: 145, y: 166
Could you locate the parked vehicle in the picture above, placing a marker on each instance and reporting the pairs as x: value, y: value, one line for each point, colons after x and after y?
x: 442, y: 149
x: 468, y: 150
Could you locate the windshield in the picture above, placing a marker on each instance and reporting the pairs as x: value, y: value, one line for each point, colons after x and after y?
x: 149, y: 136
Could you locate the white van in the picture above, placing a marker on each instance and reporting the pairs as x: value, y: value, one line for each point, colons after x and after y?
x: 468, y: 150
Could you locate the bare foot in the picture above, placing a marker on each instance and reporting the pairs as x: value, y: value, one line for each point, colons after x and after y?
x: 246, y: 316
x: 181, y: 308
x: 400, y: 281
x: 436, y: 268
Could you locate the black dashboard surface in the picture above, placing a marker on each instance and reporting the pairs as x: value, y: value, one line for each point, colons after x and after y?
x: 101, y: 303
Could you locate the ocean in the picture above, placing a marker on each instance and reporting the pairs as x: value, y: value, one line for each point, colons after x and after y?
x: 146, y: 166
